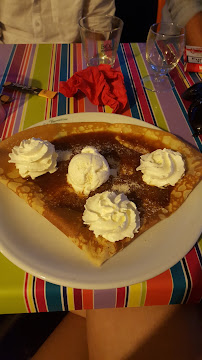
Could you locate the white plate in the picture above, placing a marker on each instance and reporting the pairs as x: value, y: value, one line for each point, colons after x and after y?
x: 36, y: 246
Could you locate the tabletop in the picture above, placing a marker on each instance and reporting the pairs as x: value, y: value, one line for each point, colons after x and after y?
x: 44, y: 66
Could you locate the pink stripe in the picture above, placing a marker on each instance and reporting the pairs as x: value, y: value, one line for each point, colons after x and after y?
x: 89, y: 107
x: 196, y: 277
x: 79, y: 57
x: 12, y: 76
x: 173, y: 114
x: 186, y: 74
x: 12, y: 111
x: 104, y: 298
x: 25, y: 61
x: 120, y: 297
x: 25, y: 81
x: 139, y: 88
x: 75, y: 58
x: 78, y: 299
x: 20, y: 79
x: 16, y: 63
x: 5, y: 54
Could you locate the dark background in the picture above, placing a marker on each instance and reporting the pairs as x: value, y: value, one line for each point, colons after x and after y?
x: 138, y: 16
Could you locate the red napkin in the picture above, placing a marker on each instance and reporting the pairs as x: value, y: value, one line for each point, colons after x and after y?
x: 101, y: 84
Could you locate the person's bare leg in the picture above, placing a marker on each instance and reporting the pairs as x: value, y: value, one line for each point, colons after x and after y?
x: 67, y: 341
x: 156, y: 332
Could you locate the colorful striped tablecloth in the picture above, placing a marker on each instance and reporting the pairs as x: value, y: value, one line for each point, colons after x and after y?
x: 45, y: 66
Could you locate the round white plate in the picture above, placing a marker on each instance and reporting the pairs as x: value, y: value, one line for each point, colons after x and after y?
x: 36, y: 246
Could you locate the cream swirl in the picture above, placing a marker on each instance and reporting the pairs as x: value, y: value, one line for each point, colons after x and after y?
x: 34, y: 157
x: 162, y: 167
x: 112, y: 216
x: 88, y: 170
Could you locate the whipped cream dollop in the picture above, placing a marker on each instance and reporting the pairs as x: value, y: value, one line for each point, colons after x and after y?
x: 162, y: 167
x: 88, y: 170
x: 34, y: 157
x: 111, y: 215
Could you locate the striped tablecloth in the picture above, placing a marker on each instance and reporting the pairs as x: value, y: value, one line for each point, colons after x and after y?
x: 45, y: 66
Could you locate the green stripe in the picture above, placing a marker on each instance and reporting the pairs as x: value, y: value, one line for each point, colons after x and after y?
x: 143, y: 295
x: 11, y: 288
x: 36, y: 105
x: 156, y: 108
x: 200, y: 243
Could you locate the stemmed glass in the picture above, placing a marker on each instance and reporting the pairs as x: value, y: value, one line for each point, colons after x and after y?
x: 164, y: 48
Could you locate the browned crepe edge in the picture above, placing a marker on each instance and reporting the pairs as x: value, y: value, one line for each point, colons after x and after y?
x: 50, y: 132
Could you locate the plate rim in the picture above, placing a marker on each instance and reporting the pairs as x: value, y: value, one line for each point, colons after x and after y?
x: 74, y: 283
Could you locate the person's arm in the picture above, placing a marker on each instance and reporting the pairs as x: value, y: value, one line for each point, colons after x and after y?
x: 102, y: 7
x: 194, y: 30
x: 187, y: 13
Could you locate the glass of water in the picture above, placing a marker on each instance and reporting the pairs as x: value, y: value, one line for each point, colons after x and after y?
x: 164, y: 48
x: 100, y: 35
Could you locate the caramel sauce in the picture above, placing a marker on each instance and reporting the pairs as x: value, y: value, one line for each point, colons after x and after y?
x: 61, y: 196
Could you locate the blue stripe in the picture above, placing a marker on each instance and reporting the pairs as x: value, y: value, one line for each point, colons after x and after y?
x: 127, y: 295
x: 65, y: 298
x: 128, y: 84
x: 135, y: 97
x: 195, y: 77
x: 179, y: 284
x: 53, y: 297
x: 198, y: 253
x: 63, y: 77
x: 8, y: 66
x: 33, y: 294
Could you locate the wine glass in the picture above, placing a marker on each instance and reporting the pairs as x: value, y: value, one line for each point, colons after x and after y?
x: 164, y: 48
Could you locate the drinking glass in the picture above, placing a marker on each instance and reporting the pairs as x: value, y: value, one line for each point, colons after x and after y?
x: 164, y: 48
x: 100, y: 35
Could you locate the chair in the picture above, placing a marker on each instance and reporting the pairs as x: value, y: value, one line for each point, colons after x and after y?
x: 161, y: 4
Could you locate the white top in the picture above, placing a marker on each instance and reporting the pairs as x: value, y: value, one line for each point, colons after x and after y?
x: 180, y: 11
x: 47, y: 21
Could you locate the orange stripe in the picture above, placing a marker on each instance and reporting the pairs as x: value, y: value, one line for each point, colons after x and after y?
x: 161, y: 4
x: 159, y: 289
x: 81, y: 106
x: 127, y: 111
x: 49, y: 82
x: 79, y: 58
x: 87, y: 299
x: 11, y: 116
x: 25, y: 63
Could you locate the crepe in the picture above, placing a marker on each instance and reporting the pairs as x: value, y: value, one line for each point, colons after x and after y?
x: 122, y: 145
